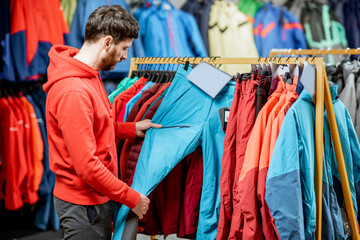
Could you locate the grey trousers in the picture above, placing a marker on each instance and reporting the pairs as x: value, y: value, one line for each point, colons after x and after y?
x: 83, y: 222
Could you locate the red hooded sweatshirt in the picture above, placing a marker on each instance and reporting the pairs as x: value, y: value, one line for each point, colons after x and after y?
x: 81, y: 133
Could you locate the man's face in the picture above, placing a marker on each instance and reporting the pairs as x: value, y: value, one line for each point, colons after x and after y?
x: 116, y: 54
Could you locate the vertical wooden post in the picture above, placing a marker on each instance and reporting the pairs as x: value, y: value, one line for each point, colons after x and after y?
x: 340, y: 161
x: 133, y: 66
x: 319, y: 140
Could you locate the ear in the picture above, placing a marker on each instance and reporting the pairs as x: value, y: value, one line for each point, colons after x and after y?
x: 108, y: 40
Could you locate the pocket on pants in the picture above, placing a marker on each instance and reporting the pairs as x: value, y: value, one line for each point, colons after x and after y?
x: 91, y: 214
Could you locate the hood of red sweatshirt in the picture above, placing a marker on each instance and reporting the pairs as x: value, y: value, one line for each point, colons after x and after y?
x: 62, y: 65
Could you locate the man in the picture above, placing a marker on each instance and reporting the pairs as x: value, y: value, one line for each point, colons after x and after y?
x: 81, y: 129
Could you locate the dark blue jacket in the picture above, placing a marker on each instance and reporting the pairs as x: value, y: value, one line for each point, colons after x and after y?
x: 6, y: 62
x: 201, y: 11
x: 352, y: 23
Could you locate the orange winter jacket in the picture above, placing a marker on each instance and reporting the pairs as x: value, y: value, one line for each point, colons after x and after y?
x: 81, y: 133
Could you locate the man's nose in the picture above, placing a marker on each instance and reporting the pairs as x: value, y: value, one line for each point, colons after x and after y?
x: 124, y: 56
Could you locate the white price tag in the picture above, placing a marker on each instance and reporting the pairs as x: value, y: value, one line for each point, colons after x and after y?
x: 209, y: 78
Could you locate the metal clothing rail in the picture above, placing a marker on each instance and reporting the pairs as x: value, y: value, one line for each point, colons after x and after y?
x: 322, y: 97
x: 334, y: 131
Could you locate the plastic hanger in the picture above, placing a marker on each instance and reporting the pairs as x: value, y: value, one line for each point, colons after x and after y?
x: 164, y: 77
x: 4, y: 93
x: 287, y: 78
x: 160, y: 74
x: 186, y: 65
x: 152, y: 73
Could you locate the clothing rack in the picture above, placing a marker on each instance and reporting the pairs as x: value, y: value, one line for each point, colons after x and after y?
x: 333, y: 128
x: 322, y: 96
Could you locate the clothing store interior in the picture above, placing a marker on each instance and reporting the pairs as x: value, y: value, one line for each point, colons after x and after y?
x: 266, y: 144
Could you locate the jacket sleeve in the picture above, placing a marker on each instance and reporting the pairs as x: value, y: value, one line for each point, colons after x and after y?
x: 75, y: 119
x: 194, y: 36
x: 355, y: 156
x: 298, y: 33
x: 283, y: 185
x: 154, y: 38
x: 257, y: 30
x: 125, y: 130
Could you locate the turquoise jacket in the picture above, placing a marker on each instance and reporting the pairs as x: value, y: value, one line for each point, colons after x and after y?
x: 122, y: 86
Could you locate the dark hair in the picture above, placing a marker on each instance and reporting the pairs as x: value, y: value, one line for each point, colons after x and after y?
x: 111, y: 20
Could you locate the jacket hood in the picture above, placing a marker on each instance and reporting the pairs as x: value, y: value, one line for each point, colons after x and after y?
x: 62, y: 65
x: 333, y: 91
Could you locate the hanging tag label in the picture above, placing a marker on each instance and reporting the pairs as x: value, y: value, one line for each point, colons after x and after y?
x: 224, y: 117
x: 278, y: 70
x: 209, y: 78
x: 308, y: 79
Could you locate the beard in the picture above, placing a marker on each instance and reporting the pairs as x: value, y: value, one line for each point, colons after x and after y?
x: 109, y: 62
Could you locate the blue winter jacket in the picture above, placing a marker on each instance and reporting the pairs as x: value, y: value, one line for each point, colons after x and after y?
x: 77, y: 33
x: 290, y: 192
x: 169, y: 32
x: 276, y: 27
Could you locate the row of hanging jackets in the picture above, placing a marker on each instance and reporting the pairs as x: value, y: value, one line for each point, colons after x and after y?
x: 268, y: 163
x: 253, y: 182
x: 25, y: 177
x: 346, y: 74
x: 250, y: 29
x: 177, y: 166
x: 200, y: 28
x: 276, y: 24
x: 28, y: 29
x: 330, y: 24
